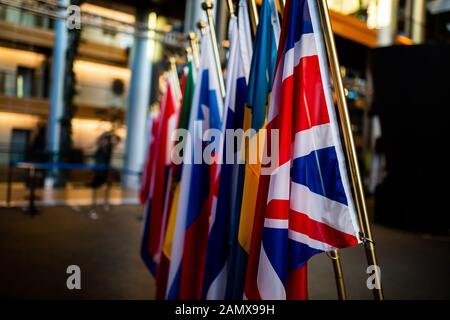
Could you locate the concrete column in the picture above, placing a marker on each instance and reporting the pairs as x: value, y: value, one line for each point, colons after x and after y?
x: 387, y: 11
x: 57, y: 85
x: 418, y: 21
x: 138, y: 103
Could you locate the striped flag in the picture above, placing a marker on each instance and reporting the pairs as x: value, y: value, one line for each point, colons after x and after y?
x: 259, y: 87
x: 145, y: 195
x: 194, y: 207
x: 173, y: 187
x: 222, y: 222
x: 158, y: 177
x: 144, y: 191
x: 309, y: 206
x: 234, y: 288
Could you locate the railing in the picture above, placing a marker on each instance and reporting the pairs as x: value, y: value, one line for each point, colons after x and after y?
x: 13, y: 153
x: 35, y: 171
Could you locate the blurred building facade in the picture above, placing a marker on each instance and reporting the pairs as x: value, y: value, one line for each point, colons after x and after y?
x: 117, y: 69
x: 109, y: 57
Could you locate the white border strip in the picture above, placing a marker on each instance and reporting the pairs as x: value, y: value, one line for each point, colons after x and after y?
x: 325, y: 74
x: 305, y: 47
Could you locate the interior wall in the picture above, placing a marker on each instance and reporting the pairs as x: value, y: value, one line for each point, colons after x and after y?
x: 84, y: 132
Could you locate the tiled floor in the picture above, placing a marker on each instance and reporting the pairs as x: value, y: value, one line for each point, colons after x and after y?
x: 35, y: 252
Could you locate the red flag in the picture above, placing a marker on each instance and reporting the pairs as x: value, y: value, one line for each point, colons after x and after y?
x: 158, y: 178
x: 149, y: 162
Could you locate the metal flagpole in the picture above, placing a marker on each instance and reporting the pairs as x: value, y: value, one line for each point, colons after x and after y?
x: 231, y: 7
x: 334, y: 254
x: 208, y: 6
x: 173, y: 71
x: 194, y: 47
x: 363, y: 217
x: 188, y: 53
x: 201, y: 25
x: 254, y: 18
x: 338, y: 274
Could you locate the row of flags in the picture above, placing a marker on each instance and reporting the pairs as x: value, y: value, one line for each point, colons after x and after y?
x: 225, y: 230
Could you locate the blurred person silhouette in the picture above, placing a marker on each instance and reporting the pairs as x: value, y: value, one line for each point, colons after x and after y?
x: 37, y: 152
x: 102, y: 157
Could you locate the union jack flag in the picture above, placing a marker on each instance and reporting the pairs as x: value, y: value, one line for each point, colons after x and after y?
x: 309, y: 208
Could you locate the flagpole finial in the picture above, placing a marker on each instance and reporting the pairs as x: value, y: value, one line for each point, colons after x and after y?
x: 195, y: 51
x: 173, y: 65
x: 207, y: 5
x: 188, y: 52
x: 174, y: 73
x: 191, y: 36
x: 201, y: 25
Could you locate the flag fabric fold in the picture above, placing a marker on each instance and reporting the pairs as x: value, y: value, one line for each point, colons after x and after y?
x: 145, y: 196
x: 156, y: 180
x: 189, y: 245
x: 173, y: 187
x: 223, y: 223
x: 259, y: 87
x: 309, y: 206
x: 220, y: 230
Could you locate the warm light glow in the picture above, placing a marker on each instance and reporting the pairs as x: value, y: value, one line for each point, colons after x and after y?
x: 85, y: 133
x: 152, y: 24
x: 10, y: 58
x: 9, y: 121
x: 345, y: 6
x: 108, y: 13
x: 91, y: 72
x: 379, y: 14
x: 165, y: 27
x: 94, y: 81
x: 400, y: 39
x: 20, y: 86
x: 17, y: 119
